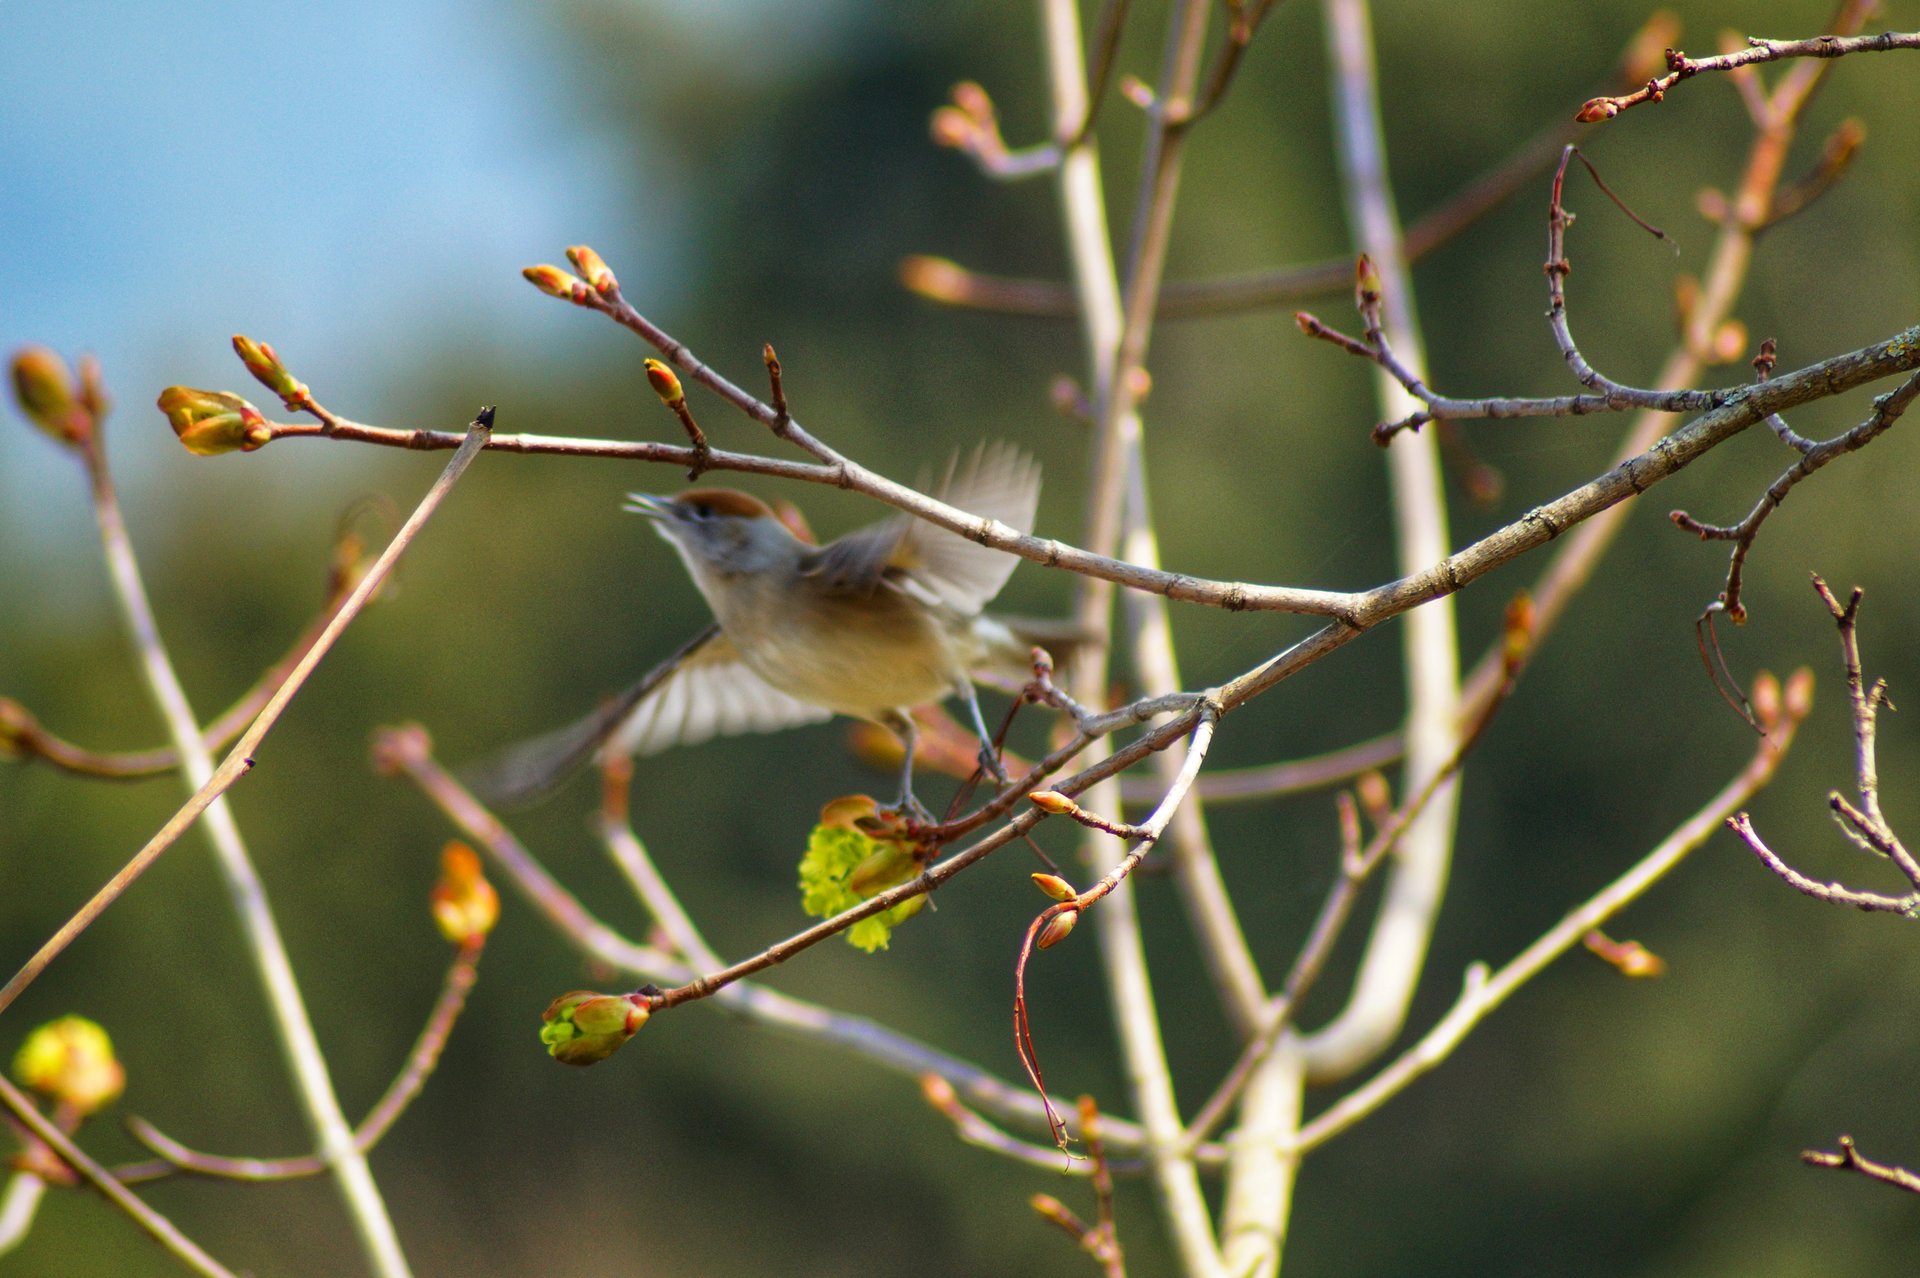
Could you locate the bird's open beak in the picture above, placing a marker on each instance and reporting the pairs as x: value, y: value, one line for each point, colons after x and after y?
x: 648, y: 504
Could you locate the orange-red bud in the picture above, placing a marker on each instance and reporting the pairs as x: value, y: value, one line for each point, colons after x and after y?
x: 464, y: 904
x: 1765, y: 698
x: 47, y: 393
x: 1052, y: 1209
x: 213, y: 422
x: 1367, y: 287
x: 1053, y: 802
x: 595, y: 271
x: 555, y: 282
x: 665, y: 384
x: 1629, y: 958
x: 938, y: 1092
x: 1516, y: 638
x: 1799, y: 696
x: 952, y: 127
x: 17, y: 726
x: 1055, y: 886
x: 937, y: 278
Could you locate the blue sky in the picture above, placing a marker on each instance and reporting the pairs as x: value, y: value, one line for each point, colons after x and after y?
x: 324, y: 177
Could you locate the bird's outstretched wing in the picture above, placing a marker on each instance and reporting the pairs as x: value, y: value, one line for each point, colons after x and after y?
x: 997, y: 481
x: 701, y: 691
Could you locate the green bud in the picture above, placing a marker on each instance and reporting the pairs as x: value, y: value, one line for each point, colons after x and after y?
x: 70, y: 1061
x: 584, y: 1028
x: 267, y: 369
x: 891, y: 864
x: 45, y: 389
x: 213, y: 422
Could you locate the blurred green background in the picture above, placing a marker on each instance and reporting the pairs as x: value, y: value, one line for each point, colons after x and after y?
x: 360, y: 185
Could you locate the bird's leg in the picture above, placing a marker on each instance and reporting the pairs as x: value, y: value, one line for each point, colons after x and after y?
x: 902, y: 726
x: 989, y: 757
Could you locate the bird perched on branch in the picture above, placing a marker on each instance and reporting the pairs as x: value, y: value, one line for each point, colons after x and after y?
x: 870, y: 625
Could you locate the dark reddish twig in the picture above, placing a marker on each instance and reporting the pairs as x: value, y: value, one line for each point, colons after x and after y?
x: 949, y: 283
x: 1681, y: 67
x: 1608, y: 396
x: 977, y: 1131
x: 1887, y: 410
x: 1865, y: 825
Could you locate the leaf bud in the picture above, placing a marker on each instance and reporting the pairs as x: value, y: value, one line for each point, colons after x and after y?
x: 665, y: 384
x: 1058, y: 928
x: 70, y: 1061
x: 1765, y: 699
x: 213, y: 422
x: 1367, y: 287
x: 595, y: 271
x: 1053, y: 803
x: 1055, y: 886
x: 464, y: 904
x: 555, y: 282
x: 584, y: 1028
x: 1799, y: 696
x: 267, y: 369
x: 45, y: 390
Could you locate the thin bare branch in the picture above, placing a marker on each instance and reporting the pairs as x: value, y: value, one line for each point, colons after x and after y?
x: 1887, y: 409
x: 158, y: 1227
x: 1851, y: 1159
x: 1486, y: 991
x: 239, y: 760
x: 1681, y: 67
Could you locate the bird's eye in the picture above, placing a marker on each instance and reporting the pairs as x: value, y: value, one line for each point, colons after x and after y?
x: 701, y: 510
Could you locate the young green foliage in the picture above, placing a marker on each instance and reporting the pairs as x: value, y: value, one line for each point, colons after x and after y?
x: 845, y: 865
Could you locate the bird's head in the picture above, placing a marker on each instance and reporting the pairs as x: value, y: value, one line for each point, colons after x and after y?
x: 720, y: 532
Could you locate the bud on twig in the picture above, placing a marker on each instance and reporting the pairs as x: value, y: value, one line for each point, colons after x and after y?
x: 665, y: 384
x: 1629, y: 958
x: 555, y: 282
x: 1053, y: 803
x: 47, y: 394
x: 1058, y: 929
x: 267, y: 369
x: 892, y: 863
x: 584, y: 1028
x: 213, y: 422
x: 1516, y: 635
x: 593, y: 270
x: 1367, y: 288
x: 464, y: 904
x: 70, y: 1061
x: 1055, y: 886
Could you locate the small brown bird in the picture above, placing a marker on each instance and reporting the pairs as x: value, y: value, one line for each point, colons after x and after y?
x: 871, y: 625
